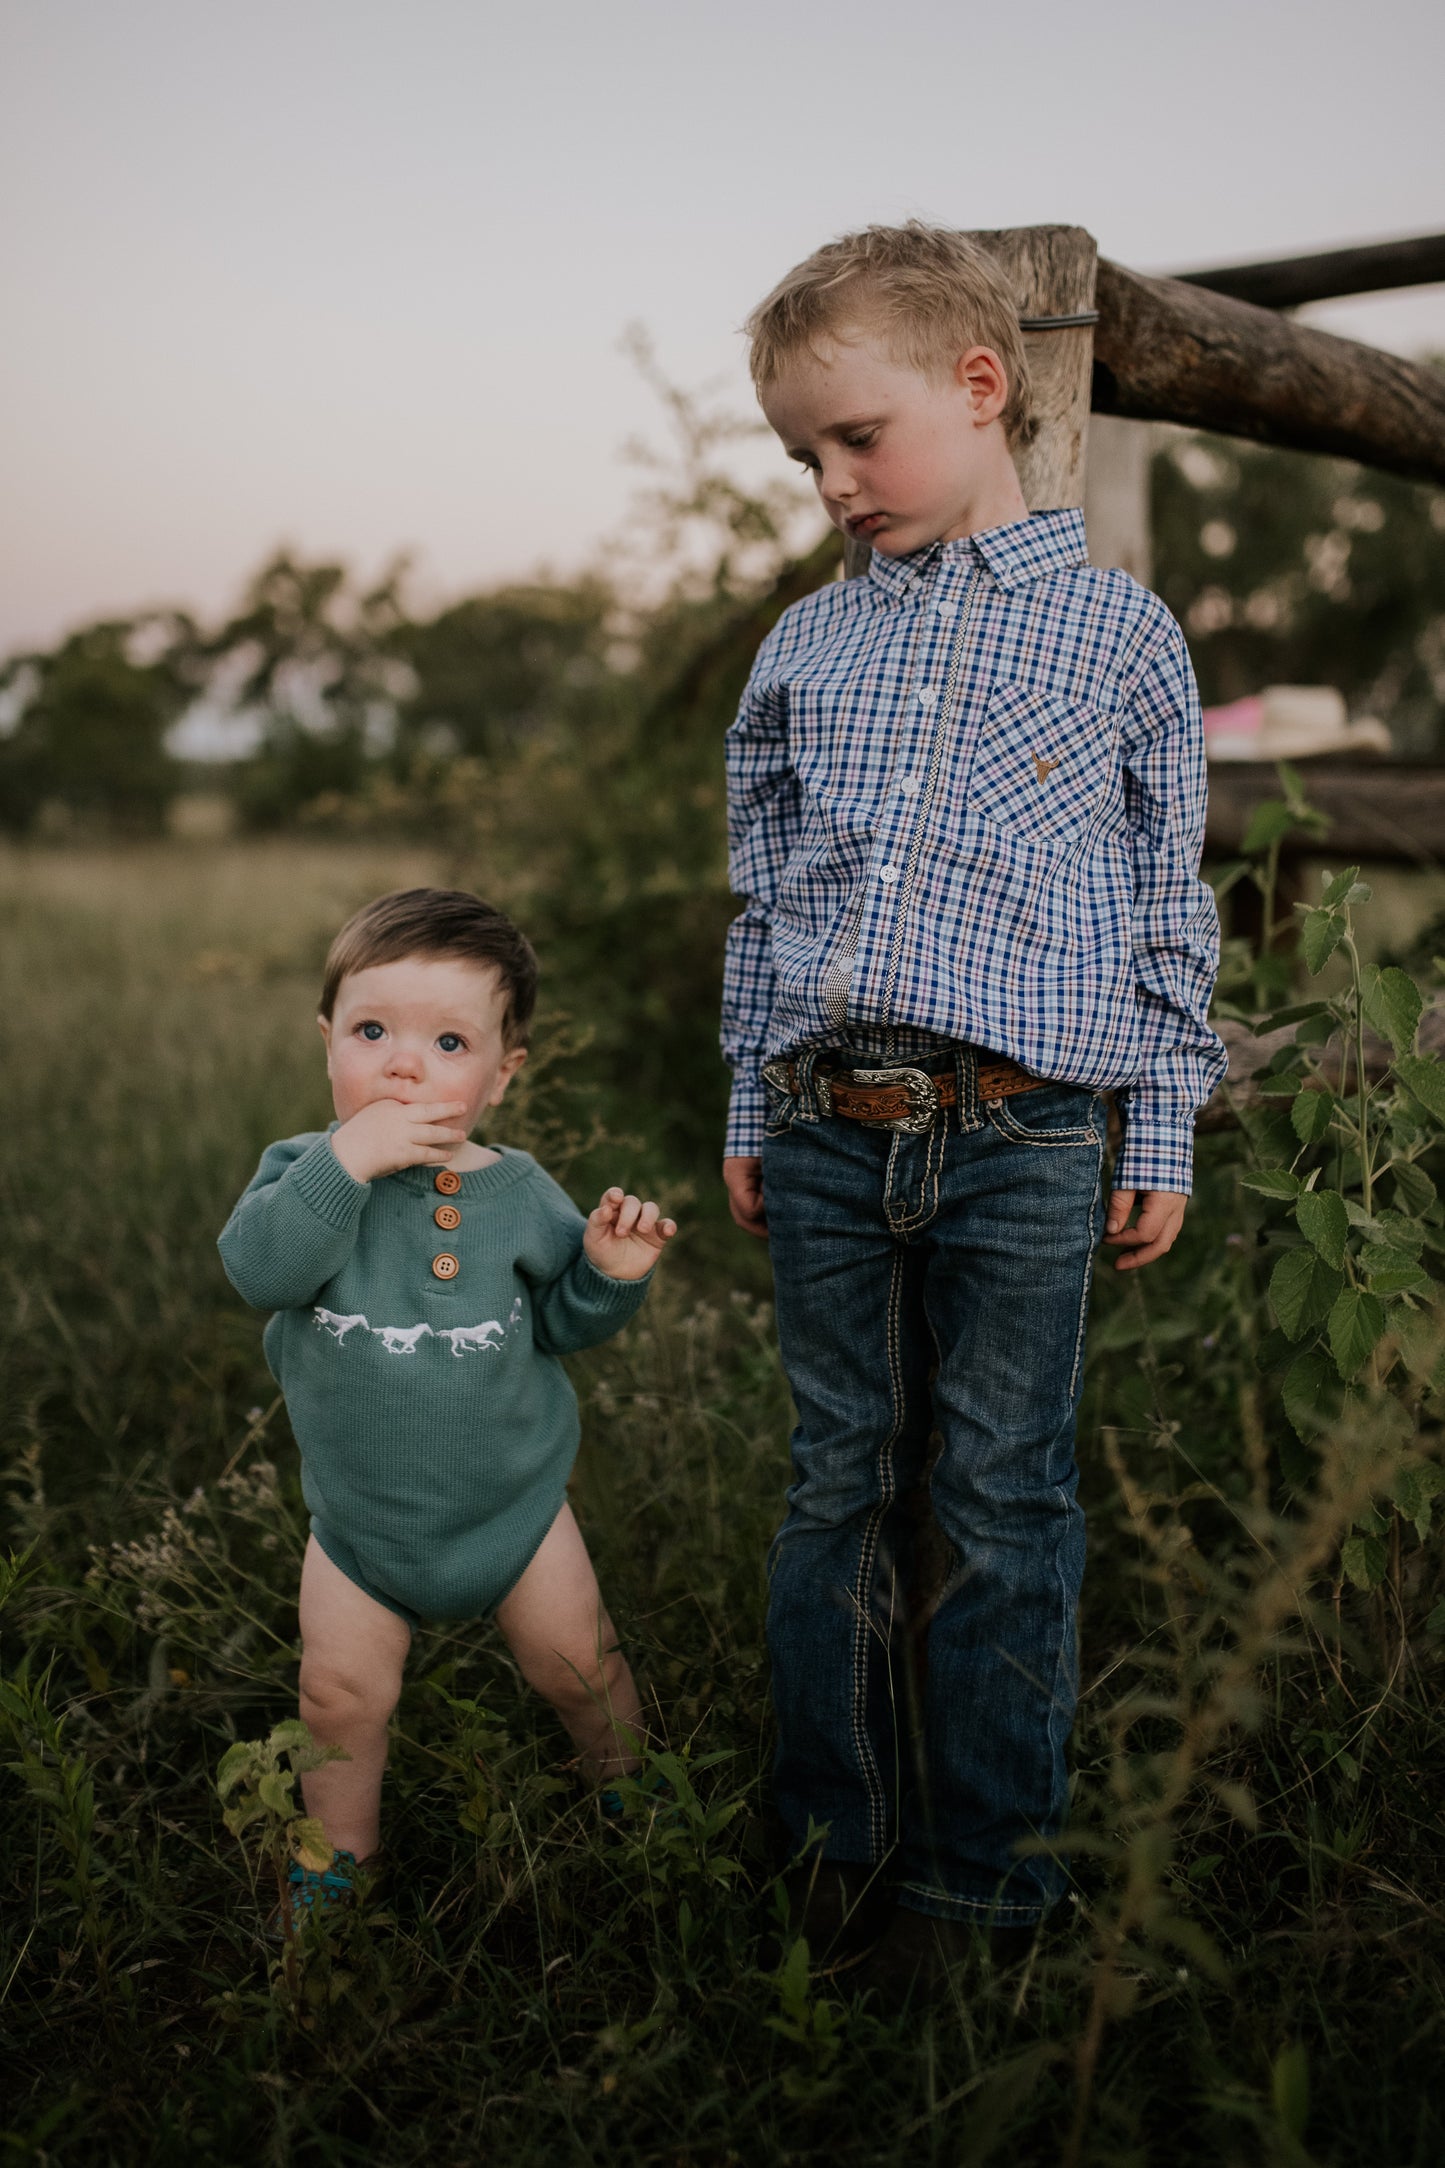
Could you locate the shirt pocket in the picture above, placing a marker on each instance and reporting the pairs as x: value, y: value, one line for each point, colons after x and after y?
x: 1042, y: 764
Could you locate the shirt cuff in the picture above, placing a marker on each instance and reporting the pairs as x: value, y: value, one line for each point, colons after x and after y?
x: 747, y: 1111
x: 1156, y: 1155
x: 323, y: 1183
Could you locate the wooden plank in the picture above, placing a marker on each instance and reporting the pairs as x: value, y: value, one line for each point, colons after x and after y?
x: 1291, y: 281
x: 1394, y: 812
x: 1168, y: 351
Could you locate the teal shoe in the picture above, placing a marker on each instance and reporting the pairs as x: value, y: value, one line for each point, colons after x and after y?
x: 312, y: 1896
x: 651, y: 1797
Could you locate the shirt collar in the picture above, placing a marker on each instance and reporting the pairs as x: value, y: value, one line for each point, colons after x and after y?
x: 1023, y: 550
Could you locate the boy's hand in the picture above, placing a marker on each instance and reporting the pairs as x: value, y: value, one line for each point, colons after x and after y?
x: 389, y: 1135
x: 1161, y: 1215
x: 744, y: 1179
x: 625, y: 1237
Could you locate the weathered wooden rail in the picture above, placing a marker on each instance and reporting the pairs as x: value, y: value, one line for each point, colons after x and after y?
x: 1370, y: 267
x: 1392, y: 812
x: 1167, y: 350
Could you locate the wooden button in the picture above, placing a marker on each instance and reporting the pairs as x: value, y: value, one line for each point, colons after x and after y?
x: 445, y: 1267
x: 447, y: 1181
x: 447, y: 1217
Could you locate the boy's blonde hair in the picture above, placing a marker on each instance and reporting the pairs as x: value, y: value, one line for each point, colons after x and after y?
x: 928, y: 292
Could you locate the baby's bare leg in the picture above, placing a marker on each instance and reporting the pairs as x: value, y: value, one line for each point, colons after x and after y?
x: 554, y: 1623
x: 352, y: 1653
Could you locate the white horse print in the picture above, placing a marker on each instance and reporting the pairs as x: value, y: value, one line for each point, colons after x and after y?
x: 405, y: 1339
x: 482, y: 1338
x: 333, y: 1322
x: 401, y: 1339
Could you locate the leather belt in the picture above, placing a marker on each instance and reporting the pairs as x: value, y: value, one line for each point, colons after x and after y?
x: 900, y: 1097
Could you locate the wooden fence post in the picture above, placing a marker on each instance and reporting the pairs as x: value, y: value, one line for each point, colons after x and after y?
x: 1116, y: 495
x: 1052, y: 270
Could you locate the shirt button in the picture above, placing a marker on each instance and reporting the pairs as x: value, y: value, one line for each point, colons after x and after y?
x: 447, y: 1217
x: 445, y: 1267
x: 927, y: 697
x: 908, y: 784
x: 447, y: 1181
x: 887, y: 875
x: 946, y: 608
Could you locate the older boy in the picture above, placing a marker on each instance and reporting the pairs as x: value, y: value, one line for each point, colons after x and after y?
x: 966, y: 801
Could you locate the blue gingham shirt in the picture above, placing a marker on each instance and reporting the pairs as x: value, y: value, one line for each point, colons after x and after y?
x: 966, y: 797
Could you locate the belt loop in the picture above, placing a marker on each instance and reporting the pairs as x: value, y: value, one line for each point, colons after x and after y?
x: 968, y: 1111
x: 808, y: 1096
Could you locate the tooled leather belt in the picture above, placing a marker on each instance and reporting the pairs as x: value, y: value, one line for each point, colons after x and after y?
x: 902, y: 1097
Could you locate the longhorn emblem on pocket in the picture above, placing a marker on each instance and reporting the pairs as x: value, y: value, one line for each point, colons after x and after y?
x: 1044, y: 768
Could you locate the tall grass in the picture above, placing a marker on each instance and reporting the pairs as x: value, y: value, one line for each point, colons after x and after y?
x: 1251, y: 1966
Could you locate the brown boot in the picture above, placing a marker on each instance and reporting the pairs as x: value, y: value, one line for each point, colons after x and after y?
x: 916, y: 1956
x: 839, y: 1906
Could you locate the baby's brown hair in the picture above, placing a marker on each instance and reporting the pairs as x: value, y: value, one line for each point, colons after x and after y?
x: 438, y: 922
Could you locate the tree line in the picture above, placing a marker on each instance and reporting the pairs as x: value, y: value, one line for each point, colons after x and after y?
x: 1283, y: 569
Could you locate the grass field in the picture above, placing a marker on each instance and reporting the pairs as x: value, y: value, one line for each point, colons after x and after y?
x: 1251, y: 1966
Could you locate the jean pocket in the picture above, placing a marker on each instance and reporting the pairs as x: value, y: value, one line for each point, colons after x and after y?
x: 1053, y: 1115
x: 1043, y: 763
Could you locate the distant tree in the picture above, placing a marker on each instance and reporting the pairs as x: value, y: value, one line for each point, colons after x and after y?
x: 307, y: 654
x: 491, y: 670
x: 1286, y: 568
x: 88, y: 722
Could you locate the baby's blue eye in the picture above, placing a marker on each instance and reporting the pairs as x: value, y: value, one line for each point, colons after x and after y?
x: 451, y: 1043
x: 372, y: 1032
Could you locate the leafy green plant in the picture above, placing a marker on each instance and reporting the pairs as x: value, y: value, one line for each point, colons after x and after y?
x: 1348, y: 1124
x: 812, y: 2024
x: 673, y: 1831
x: 258, y: 1777
x: 61, y: 1785
x: 1266, y: 967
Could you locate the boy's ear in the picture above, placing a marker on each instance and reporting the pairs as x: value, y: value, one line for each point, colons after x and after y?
x: 323, y: 1025
x: 983, y: 376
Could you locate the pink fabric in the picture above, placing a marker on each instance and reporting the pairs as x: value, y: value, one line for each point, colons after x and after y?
x: 1241, y: 718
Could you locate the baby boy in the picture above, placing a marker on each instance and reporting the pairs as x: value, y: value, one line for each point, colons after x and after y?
x: 424, y: 1288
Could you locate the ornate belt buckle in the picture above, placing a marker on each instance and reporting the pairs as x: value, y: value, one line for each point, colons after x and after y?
x: 922, y: 1095
x: 782, y: 1076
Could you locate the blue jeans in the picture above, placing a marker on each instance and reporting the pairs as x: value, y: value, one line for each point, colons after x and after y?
x: 934, y: 1281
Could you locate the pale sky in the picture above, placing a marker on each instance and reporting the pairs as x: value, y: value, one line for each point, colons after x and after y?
x: 352, y: 275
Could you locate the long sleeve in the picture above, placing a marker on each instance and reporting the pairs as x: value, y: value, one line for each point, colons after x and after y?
x: 1176, y: 925
x: 582, y: 1306
x: 295, y: 1226
x: 763, y: 825
x: 573, y: 1304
